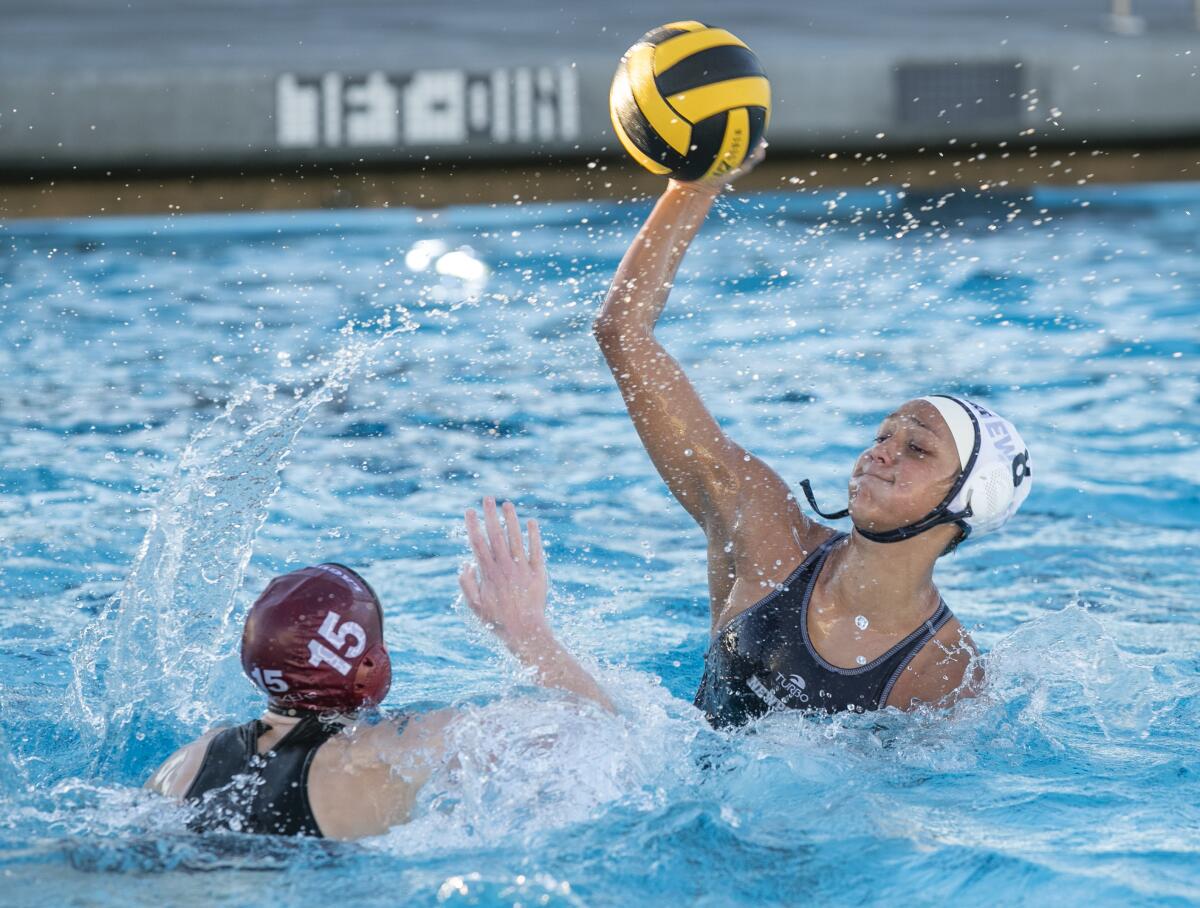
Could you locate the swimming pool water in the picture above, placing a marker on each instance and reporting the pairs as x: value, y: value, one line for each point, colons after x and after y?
x: 191, y: 404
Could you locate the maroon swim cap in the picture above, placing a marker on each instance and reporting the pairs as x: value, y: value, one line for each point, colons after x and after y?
x: 314, y: 641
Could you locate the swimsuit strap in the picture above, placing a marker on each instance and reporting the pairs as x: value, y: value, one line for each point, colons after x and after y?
x: 923, y: 635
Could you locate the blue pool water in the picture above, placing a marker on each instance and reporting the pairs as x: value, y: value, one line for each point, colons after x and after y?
x: 192, y: 404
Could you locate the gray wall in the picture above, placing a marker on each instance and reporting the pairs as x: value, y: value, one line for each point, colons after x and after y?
x: 95, y: 84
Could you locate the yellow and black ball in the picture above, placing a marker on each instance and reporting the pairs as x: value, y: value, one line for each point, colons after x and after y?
x: 689, y: 100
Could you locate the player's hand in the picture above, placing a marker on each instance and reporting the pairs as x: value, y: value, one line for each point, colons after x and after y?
x: 715, y: 184
x: 506, y: 587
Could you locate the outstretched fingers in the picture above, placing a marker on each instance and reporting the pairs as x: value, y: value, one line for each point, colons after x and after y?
x: 479, y: 542
x: 512, y: 526
x: 495, y: 533
x: 537, y: 555
x: 756, y: 157
x: 469, y: 583
x: 499, y: 547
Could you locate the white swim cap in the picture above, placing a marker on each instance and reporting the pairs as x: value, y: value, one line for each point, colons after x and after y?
x: 996, y: 475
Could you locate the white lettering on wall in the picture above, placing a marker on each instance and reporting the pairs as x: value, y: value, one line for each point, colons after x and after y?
x: 297, y: 113
x: 331, y: 93
x: 435, y: 109
x: 370, y: 112
x: 501, y: 118
x: 428, y: 107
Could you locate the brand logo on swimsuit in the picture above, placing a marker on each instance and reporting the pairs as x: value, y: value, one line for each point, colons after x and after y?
x: 794, y: 685
x: 763, y: 693
x: 792, y: 689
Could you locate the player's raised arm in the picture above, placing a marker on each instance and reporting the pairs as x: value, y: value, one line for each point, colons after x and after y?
x: 706, y: 471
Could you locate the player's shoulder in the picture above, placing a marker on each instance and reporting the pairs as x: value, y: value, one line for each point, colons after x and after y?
x: 175, y: 775
x: 384, y: 738
x: 767, y: 509
x: 954, y: 649
x: 946, y: 669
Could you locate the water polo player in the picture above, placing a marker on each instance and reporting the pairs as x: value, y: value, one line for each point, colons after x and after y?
x: 802, y: 616
x: 313, y: 643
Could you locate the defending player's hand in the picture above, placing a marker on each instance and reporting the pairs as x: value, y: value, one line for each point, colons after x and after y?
x: 506, y: 587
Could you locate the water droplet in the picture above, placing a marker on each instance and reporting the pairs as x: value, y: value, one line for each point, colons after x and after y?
x: 861, y: 622
x: 861, y: 660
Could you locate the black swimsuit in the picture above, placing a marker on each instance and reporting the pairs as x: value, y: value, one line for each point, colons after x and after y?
x: 240, y: 789
x: 764, y: 660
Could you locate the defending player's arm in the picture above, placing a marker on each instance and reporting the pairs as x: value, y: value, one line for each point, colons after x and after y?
x: 509, y: 596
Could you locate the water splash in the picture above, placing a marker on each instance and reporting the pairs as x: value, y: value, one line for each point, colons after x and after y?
x: 522, y: 770
x: 160, y: 655
x: 1067, y: 660
x: 12, y: 776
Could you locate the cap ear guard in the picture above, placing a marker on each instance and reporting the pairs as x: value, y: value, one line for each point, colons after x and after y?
x: 997, y: 478
x: 990, y: 493
x: 373, y: 678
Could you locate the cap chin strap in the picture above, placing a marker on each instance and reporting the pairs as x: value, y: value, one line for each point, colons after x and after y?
x: 280, y: 709
x: 812, y: 501
x: 290, y: 709
x: 937, y: 517
x: 294, y: 712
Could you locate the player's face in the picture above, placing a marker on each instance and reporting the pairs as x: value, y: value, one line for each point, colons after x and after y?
x: 907, y: 472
